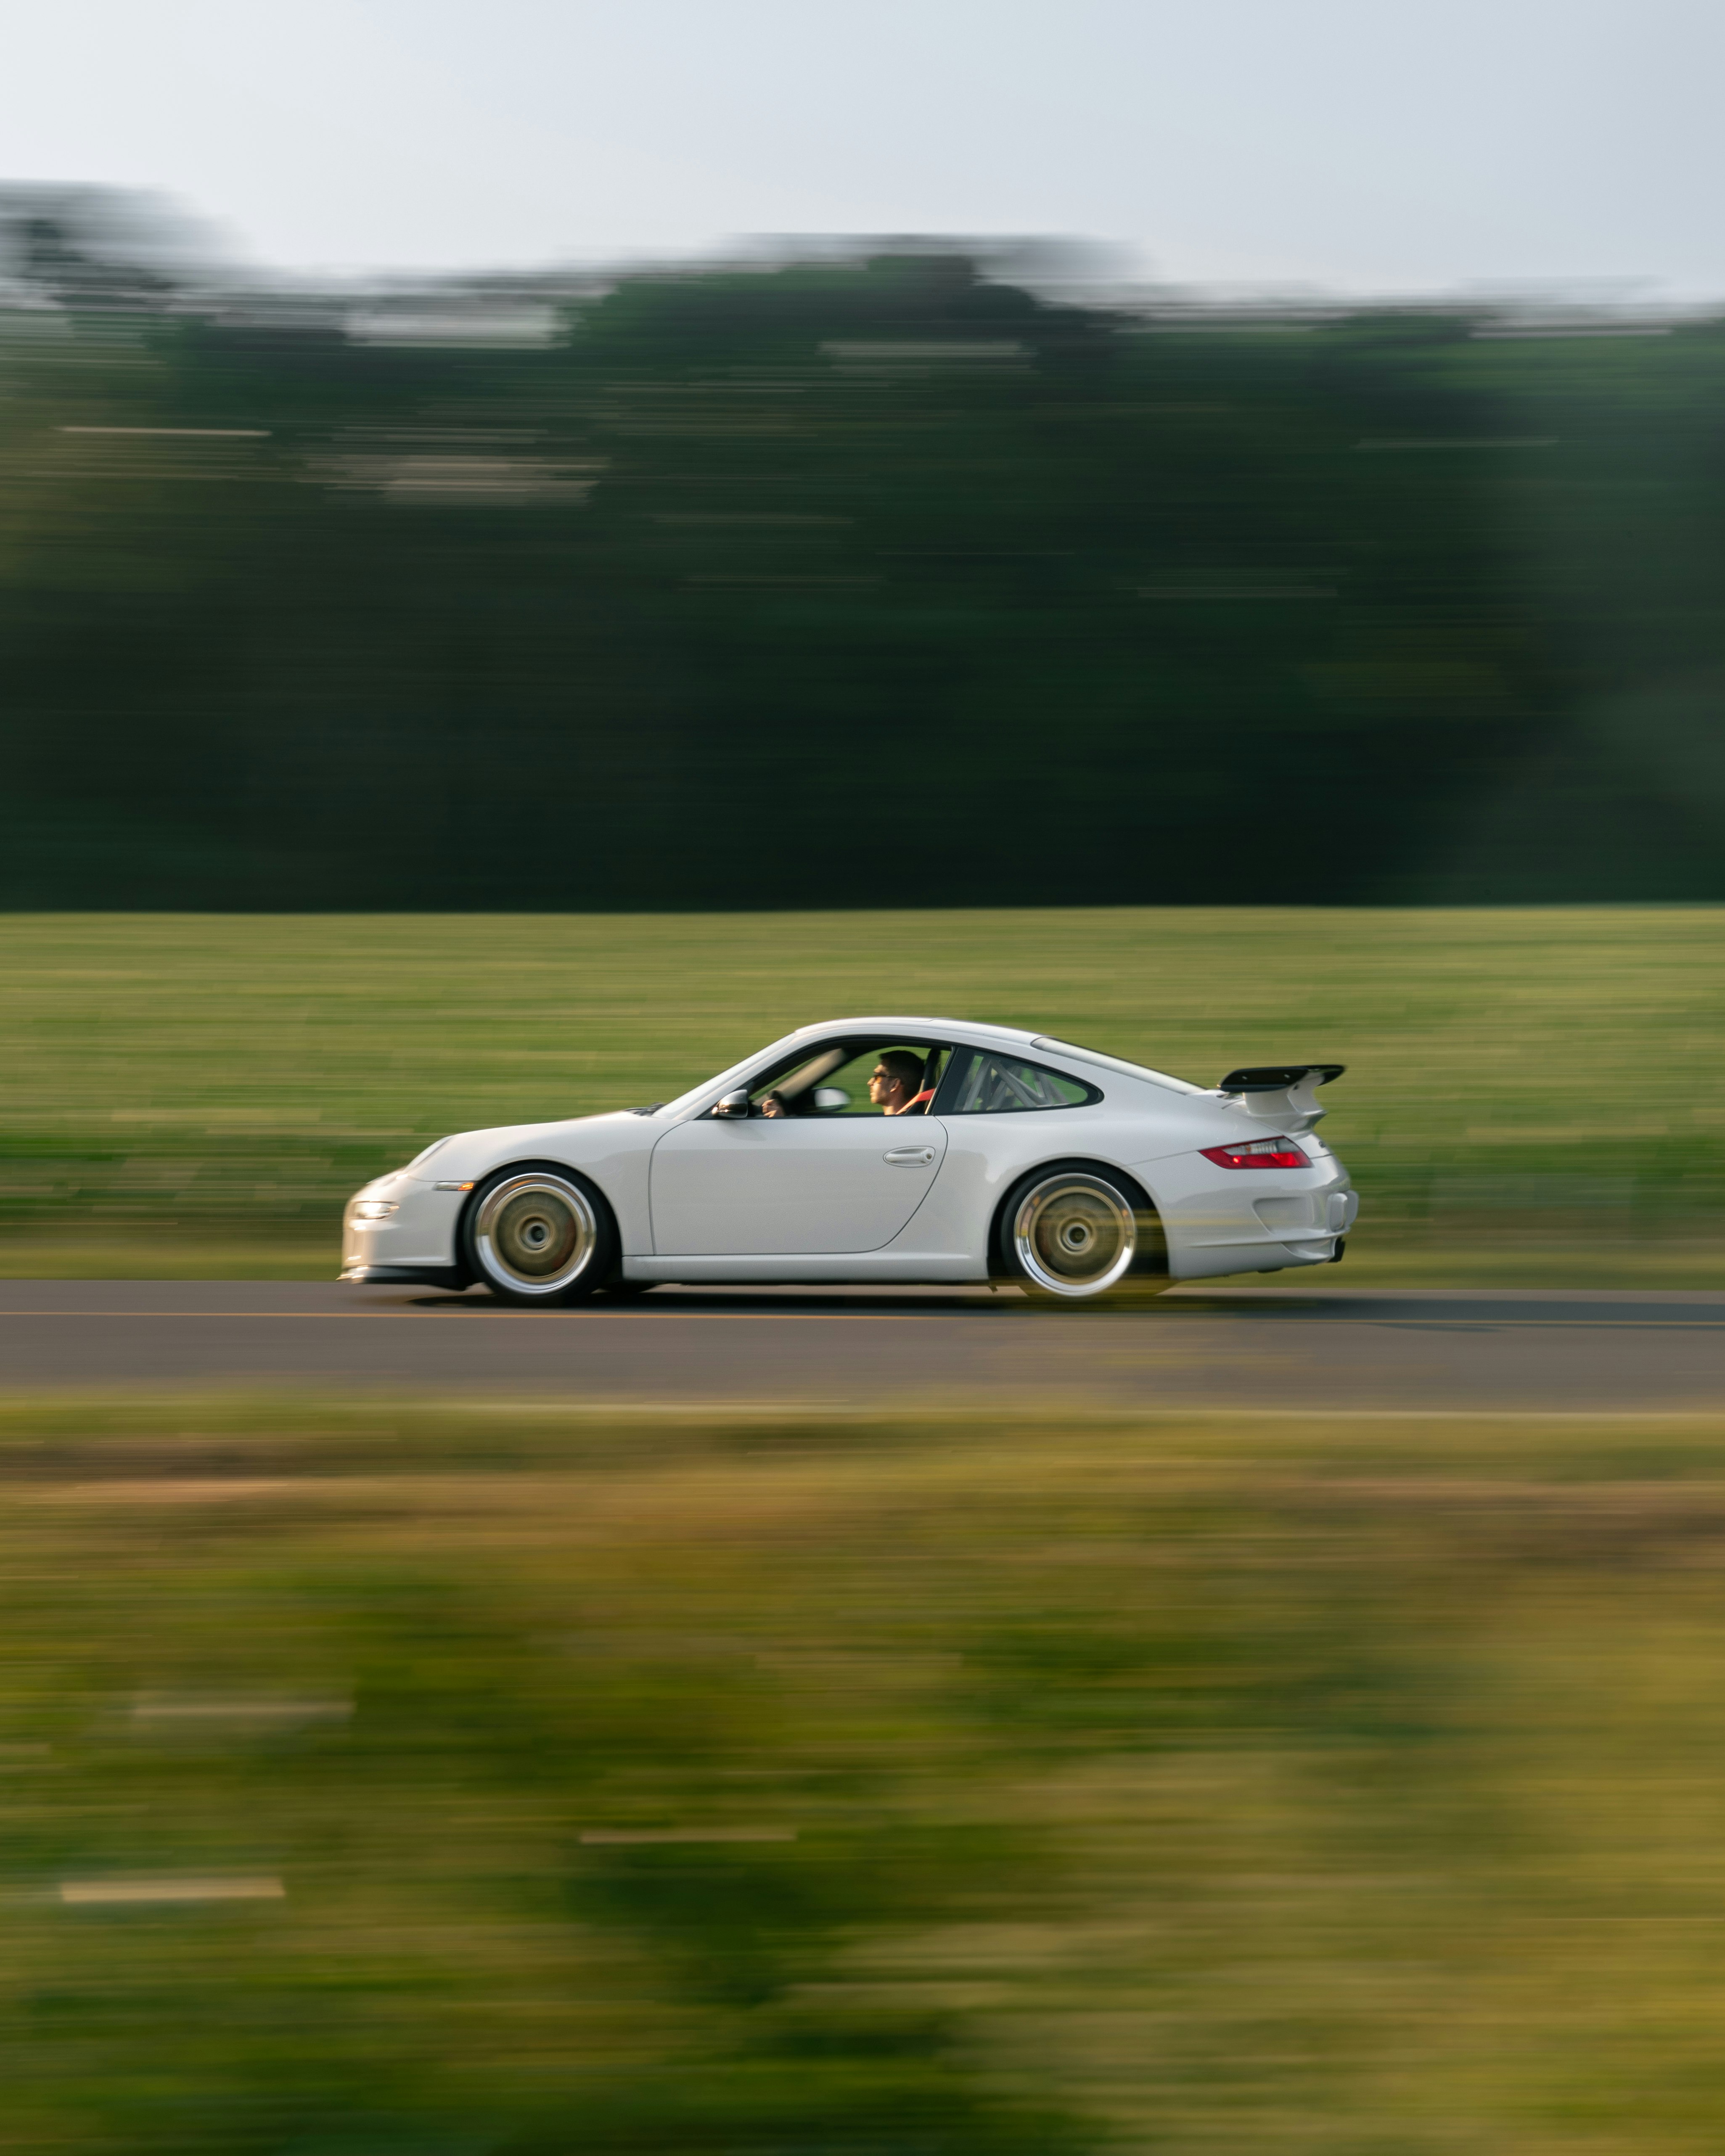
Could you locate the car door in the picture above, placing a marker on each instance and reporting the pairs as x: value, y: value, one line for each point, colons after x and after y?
x: 798, y: 1187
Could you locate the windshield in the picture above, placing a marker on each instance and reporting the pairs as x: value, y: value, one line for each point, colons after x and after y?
x: 719, y: 1083
x: 1118, y: 1063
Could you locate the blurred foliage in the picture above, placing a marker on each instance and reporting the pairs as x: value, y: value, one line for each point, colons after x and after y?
x: 1524, y: 1087
x: 389, y: 1779
x: 845, y: 583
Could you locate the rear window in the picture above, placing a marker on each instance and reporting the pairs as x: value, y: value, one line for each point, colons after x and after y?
x: 981, y: 1083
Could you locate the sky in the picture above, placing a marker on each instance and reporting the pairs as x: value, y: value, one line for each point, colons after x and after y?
x: 1345, y: 146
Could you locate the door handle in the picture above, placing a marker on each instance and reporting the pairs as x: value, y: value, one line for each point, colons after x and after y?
x: 909, y: 1157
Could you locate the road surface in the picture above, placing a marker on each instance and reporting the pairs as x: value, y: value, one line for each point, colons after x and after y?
x: 1250, y: 1346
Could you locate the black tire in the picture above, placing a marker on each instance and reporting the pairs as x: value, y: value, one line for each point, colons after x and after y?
x: 540, y: 1236
x: 1073, y: 1234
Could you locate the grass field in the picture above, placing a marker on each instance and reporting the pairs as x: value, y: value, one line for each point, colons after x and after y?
x: 1531, y: 1094
x: 399, y: 1779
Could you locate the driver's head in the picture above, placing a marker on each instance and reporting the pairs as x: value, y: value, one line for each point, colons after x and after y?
x: 896, y: 1078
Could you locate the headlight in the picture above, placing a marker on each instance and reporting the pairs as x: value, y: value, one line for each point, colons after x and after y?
x: 373, y: 1208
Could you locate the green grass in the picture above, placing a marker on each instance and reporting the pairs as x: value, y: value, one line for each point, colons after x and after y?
x: 1531, y: 1094
x: 1191, y: 1784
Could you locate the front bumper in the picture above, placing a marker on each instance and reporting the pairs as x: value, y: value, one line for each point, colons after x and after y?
x: 449, y: 1276
x: 415, y: 1242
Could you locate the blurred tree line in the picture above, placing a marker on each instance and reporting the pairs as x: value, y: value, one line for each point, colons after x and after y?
x: 844, y: 582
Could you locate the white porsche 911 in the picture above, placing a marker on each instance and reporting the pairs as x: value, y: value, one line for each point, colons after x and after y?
x: 1012, y: 1157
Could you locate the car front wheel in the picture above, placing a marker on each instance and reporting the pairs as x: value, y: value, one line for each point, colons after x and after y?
x: 1078, y: 1234
x: 540, y: 1236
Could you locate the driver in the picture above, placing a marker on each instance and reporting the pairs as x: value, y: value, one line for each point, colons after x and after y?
x: 896, y: 1085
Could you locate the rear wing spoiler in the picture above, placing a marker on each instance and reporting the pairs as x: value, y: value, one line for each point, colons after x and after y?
x: 1281, y: 1092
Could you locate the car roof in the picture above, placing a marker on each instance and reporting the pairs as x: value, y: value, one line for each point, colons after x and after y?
x: 977, y: 1035
x: 963, y: 1029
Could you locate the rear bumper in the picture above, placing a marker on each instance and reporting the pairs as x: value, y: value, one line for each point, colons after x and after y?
x: 1239, y: 1226
x: 1265, y: 1257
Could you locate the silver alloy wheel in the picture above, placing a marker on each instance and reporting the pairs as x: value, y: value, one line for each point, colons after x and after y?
x: 1074, y: 1235
x: 534, y: 1233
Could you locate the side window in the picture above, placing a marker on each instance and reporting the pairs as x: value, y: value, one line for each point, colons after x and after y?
x: 849, y: 1078
x: 980, y: 1083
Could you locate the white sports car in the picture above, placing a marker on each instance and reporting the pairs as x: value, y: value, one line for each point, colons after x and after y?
x: 1012, y: 1157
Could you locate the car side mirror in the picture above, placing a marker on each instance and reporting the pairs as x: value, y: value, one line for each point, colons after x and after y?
x: 828, y: 1099
x: 733, y: 1104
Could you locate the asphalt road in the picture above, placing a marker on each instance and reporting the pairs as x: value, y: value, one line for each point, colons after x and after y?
x: 1259, y: 1347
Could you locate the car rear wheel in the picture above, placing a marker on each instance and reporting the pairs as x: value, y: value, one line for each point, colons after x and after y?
x: 1075, y: 1233
x: 540, y: 1236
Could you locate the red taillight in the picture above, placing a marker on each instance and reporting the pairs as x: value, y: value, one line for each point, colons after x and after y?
x: 1257, y: 1152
